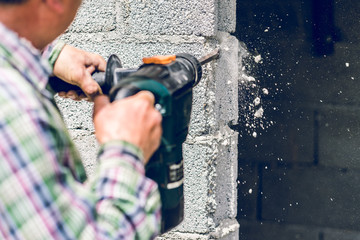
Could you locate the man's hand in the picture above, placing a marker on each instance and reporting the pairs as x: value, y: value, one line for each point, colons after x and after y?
x: 133, y: 119
x: 75, y: 66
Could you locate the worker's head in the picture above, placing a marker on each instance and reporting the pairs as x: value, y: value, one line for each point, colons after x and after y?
x: 40, y: 21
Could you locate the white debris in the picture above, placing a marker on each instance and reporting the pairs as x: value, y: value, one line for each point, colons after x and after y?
x: 257, y: 101
x: 259, y: 113
x: 248, y: 78
x: 347, y: 64
x: 257, y: 58
x: 253, y: 111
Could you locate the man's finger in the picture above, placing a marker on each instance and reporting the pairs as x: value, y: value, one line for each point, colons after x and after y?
x: 147, y: 95
x: 62, y: 94
x: 99, y: 103
x: 72, y: 95
x: 90, y: 87
x: 102, y: 64
x: 90, y: 69
x: 97, y: 61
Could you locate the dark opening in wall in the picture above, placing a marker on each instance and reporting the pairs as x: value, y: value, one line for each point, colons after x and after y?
x: 299, y: 162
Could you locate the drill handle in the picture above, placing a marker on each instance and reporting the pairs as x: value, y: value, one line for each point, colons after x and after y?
x: 104, y: 79
x: 59, y: 85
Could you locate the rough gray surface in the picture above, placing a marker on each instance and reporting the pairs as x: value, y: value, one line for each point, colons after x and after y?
x: 227, y: 230
x: 88, y: 147
x: 77, y: 114
x: 168, y: 17
x: 227, y: 15
x: 134, y: 29
x: 95, y: 16
x: 132, y: 49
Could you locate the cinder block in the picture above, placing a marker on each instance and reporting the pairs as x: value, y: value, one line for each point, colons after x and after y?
x: 76, y: 114
x: 226, y: 176
x: 227, y: 15
x: 199, y: 187
x: 210, y: 182
x: 95, y: 16
x: 172, y: 235
x: 172, y: 17
x: 131, y: 50
x: 312, y: 196
x: 228, y: 229
x: 339, y: 137
x: 289, y: 140
x: 78, y: 119
x: 231, y: 233
x: 87, y: 146
x: 226, y: 79
x: 215, y: 99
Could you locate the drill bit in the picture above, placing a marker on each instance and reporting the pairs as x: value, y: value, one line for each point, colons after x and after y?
x: 209, y: 57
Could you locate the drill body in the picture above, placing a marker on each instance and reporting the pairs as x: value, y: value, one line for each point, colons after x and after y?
x: 171, y: 80
x: 171, y: 84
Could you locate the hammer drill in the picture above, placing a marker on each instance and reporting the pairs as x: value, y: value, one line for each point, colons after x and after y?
x: 171, y: 80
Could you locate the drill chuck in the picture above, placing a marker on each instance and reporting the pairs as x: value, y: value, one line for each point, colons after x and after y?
x: 191, y: 64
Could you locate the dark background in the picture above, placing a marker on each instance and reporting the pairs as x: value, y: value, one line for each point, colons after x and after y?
x: 300, y: 177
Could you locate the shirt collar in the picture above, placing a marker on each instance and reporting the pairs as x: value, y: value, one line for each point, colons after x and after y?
x: 21, y: 55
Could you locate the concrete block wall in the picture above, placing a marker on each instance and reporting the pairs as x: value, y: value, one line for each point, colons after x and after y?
x: 134, y: 29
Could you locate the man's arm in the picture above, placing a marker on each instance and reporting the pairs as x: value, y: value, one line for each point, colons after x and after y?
x: 118, y: 139
x: 42, y: 196
x: 135, y: 121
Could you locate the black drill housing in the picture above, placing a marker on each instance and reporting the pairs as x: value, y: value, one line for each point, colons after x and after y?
x: 172, y: 85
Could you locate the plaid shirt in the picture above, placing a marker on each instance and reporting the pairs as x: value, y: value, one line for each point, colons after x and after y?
x: 44, y: 192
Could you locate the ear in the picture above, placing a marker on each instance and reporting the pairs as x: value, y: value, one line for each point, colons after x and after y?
x: 57, y: 6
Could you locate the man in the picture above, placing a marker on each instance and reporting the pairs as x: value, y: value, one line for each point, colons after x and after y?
x: 44, y: 193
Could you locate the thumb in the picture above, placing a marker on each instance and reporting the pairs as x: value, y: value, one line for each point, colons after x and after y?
x: 147, y: 95
x: 89, y: 86
x: 100, y: 102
